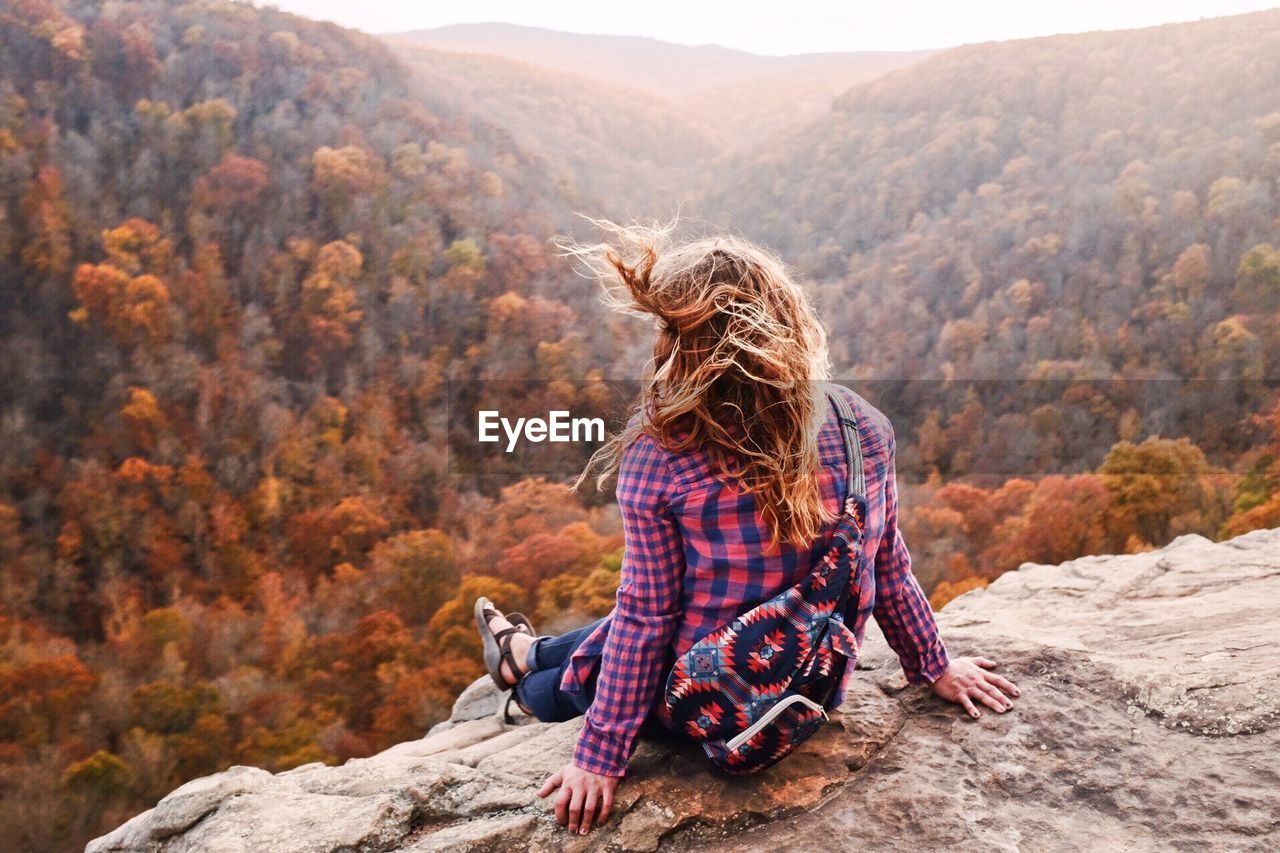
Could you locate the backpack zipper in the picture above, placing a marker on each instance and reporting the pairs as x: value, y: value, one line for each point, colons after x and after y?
x: 768, y: 717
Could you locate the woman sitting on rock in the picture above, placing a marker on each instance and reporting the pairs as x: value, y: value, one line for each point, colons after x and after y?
x: 730, y: 476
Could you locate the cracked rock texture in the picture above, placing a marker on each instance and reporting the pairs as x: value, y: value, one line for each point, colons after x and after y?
x: 1148, y: 720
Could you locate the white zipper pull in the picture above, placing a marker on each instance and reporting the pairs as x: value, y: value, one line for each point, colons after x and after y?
x: 769, y: 717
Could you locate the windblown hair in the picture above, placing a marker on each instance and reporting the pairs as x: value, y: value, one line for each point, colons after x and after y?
x: 736, y: 367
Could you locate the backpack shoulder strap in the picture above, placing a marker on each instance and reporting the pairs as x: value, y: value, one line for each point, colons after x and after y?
x: 856, y: 488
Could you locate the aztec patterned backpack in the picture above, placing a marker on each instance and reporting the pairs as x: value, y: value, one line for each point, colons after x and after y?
x: 755, y: 689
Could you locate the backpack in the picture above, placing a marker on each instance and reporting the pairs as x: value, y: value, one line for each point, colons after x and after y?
x: 755, y: 689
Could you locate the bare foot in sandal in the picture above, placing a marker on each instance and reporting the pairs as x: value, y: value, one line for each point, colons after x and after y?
x: 520, y: 643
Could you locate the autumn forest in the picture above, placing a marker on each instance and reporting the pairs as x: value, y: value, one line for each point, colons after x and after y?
x: 245, y: 255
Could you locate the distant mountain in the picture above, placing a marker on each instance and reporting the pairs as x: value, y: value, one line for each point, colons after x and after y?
x: 652, y: 65
x: 797, y: 91
x: 613, y: 151
x: 736, y: 96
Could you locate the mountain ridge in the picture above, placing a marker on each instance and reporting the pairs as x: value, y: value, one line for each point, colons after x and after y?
x: 535, y: 44
x: 738, y: 97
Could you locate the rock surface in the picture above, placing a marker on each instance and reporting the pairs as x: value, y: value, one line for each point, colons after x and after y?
x: 1148, y: 720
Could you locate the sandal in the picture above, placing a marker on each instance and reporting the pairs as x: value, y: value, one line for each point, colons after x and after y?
x: 497, y: 645
x: 523, y: 624
x: 497, y: 649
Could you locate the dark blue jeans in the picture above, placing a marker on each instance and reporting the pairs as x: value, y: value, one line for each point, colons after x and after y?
x: 540, y: 691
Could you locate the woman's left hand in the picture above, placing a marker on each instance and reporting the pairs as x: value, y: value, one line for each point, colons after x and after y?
x: 581, y: 794
x: 968, y: 679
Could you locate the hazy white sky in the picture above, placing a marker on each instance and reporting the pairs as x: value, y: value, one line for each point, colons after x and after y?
x: 790, y: 26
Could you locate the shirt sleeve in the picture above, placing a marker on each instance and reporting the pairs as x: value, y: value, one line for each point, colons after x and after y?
x: 645, y: 616
x: 901, y: 609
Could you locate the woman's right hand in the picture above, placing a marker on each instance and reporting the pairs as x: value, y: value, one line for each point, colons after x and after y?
x: 967, y: 679
x: 582, y: 793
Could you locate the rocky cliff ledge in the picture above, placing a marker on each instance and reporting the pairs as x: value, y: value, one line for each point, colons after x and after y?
x: 1148, y: 719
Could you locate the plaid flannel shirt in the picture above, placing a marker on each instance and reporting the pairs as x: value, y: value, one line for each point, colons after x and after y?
x: 693, y: 560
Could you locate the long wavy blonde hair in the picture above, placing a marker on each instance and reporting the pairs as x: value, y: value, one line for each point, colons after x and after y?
x: 737, y: 366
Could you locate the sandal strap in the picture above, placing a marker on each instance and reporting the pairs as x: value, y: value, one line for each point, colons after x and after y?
x: 510, y: 660
x: 505, y: 632
x: 506, y: 708
x: 491, y: 613
x: 503, y: 639
x: 520, y: 627
x: 506, y: 656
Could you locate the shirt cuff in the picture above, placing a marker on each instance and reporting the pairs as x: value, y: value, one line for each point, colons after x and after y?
x: 933, y: 664
x: 597, y: 752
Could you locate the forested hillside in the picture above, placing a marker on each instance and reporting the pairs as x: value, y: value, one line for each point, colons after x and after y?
x: 1088, y: 226
x: 1099, y: 206
x: 617, y: 152
x: 240, y: 255
x: 244, y: 256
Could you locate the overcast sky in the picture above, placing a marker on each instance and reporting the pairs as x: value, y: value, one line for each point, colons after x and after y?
x: 791, y: 26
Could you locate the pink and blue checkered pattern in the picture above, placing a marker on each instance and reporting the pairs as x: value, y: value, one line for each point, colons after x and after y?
x: 694, y: 560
